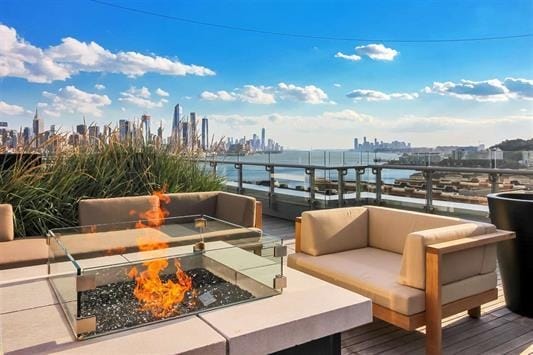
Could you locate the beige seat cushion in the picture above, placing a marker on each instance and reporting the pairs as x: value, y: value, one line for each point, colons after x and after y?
x: 191, y: 203
x: 237, y: 209
x: 23, y: 252
x: 455, y: 266
x: 388, y: 227
x: 7, y: 232
x: 335, y: 230
x: 372, y: 272
x: 118, y: 209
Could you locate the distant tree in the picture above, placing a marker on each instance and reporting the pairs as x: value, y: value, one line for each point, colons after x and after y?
x: 515, y: 144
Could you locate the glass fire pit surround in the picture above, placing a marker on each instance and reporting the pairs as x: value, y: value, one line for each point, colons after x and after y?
x: 114, y: 277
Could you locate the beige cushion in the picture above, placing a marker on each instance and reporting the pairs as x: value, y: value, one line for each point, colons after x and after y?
x: 23, y: 252
x: 335, y: 230
x: 118, y: 209
x: 388, y: 227
x: 372, y: 273
x: 237, y: 209
x: 455, y: 266
x: 191, y: 203
x: 6, y: 223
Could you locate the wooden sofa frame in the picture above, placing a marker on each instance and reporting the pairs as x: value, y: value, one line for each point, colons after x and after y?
x: 435, y: 312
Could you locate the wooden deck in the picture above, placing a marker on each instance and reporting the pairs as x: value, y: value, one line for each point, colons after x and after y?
x: 498, y: 331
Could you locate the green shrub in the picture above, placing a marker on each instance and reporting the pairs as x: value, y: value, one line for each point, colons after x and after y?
x: 45, y: 194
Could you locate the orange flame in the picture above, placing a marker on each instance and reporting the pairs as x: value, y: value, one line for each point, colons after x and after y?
x: 157, y: 296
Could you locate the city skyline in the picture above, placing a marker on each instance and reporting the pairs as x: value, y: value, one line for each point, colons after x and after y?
x: 308, y: 93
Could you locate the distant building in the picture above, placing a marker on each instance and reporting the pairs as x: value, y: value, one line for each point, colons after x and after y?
x: 38, y: 127
x: 176, y: 124
x: 81, y: 129
x: 263, y: 136
x: 185, y: 133
x: 193, y: 132
x: 145, y: 124
x: 205, y: 133
x: 124, y: 129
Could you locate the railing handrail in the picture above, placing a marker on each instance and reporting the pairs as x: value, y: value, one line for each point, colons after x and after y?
x: 432, y: 168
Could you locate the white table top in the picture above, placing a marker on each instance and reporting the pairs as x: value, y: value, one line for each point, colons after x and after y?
x: 307, y: 309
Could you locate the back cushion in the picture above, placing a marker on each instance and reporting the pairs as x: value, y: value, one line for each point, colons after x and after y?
x: 455, y: 266
x: 237, y: 209
x: 7, y: 232
x: 388, y: 227
x: 191, y: 203
x: 118, y: 209
x: 334, y: 230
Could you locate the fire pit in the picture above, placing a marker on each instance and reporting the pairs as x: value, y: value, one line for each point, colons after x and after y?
x: 118, y: 276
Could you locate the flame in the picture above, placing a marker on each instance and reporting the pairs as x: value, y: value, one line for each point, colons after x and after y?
x: 155, y: 295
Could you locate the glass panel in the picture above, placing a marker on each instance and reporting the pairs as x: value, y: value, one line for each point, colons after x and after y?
x: 132, y: 274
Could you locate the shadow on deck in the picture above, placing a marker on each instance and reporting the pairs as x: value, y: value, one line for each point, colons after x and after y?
x: 498, y: 331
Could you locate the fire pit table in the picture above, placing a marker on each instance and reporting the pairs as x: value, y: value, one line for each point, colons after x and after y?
x: 118, y: 276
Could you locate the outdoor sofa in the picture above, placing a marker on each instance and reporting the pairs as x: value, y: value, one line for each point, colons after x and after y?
x: 236, y: 209
x: 417, y: 268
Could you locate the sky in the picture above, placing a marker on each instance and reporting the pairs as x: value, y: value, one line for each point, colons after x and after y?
x: 83, y: 58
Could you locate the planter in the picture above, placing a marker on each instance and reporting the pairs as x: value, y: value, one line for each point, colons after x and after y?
x: 514, y: 212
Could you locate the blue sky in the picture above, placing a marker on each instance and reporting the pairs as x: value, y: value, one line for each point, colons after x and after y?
x: 83, y: 58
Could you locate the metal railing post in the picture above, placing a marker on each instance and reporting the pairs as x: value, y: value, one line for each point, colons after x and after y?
x: 341, y: 172
x: 270, y: 169
x: 311, y: 173
x: 377, y: 172
x: 358, y: 173
x: 494, y: 180
x: 428, y: 175
x: 213, y: 164
x: 240, y: 190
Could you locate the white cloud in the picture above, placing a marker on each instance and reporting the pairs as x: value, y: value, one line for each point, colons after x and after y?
x: 447, y: 123
x: 73, y: 100
x: 257, y: 95
x: 141, y: 97
x: 377, y: 52
x: 309, y: 94
x: 99, y: 87
x: 374, y: 95
x: 10, y: 110
x: 337, y: 85
x: 221, y: 95
x: 21, y: 59
x: 269, y: 95
x: 350, y: 57
x: 162, y: 92
x: 488, y: 90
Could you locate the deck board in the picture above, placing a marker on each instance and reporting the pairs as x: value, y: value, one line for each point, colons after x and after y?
x: 498, y: 331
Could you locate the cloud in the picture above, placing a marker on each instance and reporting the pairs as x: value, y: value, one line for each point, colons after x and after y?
x: 488, y: 90
x: 350, y: 57
x: 21, y: 59
x: 141, y: 97
x: 309, y: 94
x: 161, y: 92
x: 447, y: 123
x: 73, y: 100
x: 99, y: 87
x: 269, y: 95
x: 377, y: 52
x: 221, y: 95
x: 373, y: 95
x: 10, y: 110
x: 337, y: 85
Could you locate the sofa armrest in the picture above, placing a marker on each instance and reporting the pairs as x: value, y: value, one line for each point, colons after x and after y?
x: 258, y: 215
x: 298, y: 234
x: 469, y: 242
x: 237, y: 209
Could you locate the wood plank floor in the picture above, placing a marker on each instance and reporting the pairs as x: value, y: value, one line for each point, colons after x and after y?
x: 499, y: 331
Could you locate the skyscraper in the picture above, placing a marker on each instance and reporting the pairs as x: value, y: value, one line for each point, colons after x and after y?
x: 194, y: 133
x: 145, y: 123
x: 81, y: 129
x: 38, y: 127
x: 205, y: 134
x: 263, y: 136
x: 185, y: 131
x: 175, y: 134
x: 124, y: 129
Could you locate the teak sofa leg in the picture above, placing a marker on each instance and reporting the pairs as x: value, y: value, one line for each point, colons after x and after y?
x: 433, y: 304
x: 475, y: 312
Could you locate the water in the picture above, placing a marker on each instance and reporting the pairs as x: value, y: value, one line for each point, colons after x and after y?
x: 296, y: 177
